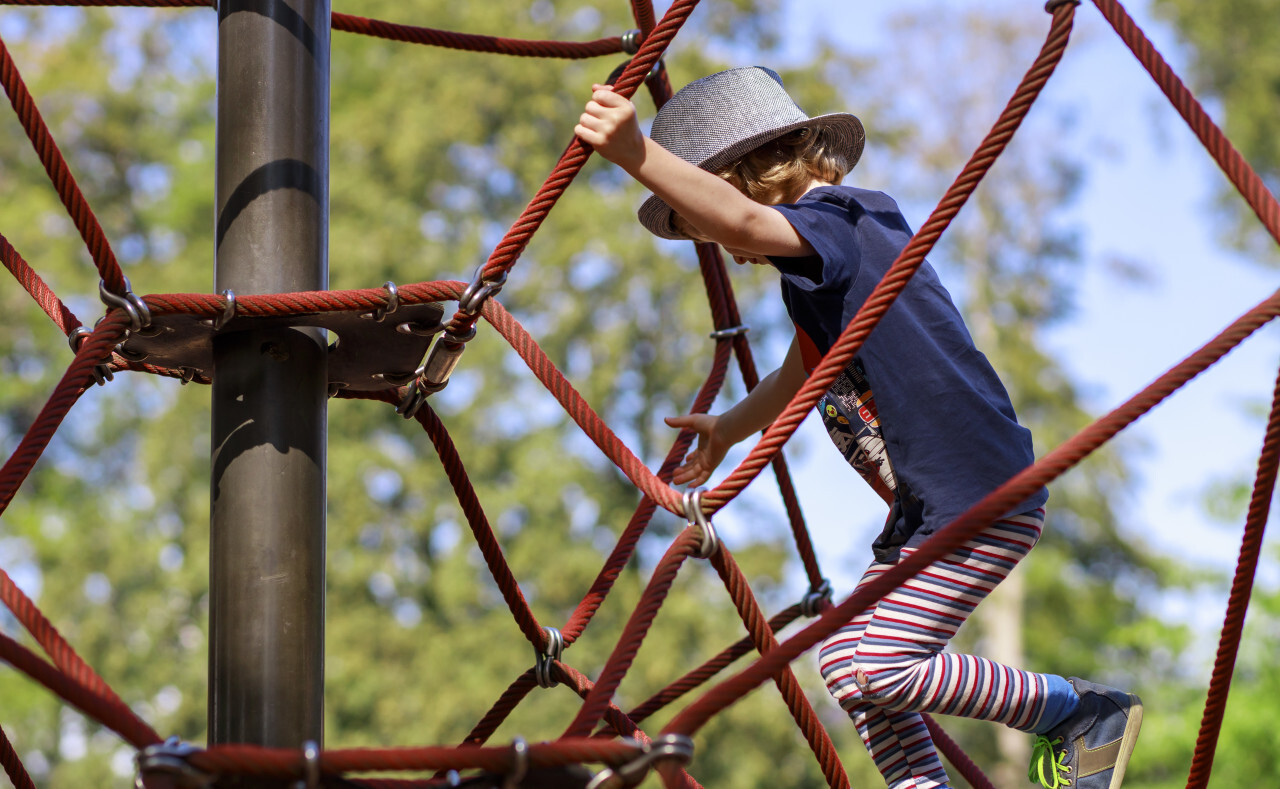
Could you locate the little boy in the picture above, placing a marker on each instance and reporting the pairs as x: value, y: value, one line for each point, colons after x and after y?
x: 919, y: 413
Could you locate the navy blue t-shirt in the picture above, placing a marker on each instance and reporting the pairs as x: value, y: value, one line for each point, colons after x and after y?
x: 919, y: 411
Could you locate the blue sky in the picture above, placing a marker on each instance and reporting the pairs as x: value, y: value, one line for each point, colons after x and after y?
x: 1149, y: 191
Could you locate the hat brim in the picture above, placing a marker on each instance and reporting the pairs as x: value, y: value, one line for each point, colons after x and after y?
x: 846, y: 133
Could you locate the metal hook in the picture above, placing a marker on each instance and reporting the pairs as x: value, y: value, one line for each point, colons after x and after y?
x: 555, y: 648
x: 101, y: 372
x: 812, y: 603
x: 696, y: 517
x: 519, y: 763
x: 393, y: 303
x: 228, y: 312
x: 631, y: 42
x: 139, y: 313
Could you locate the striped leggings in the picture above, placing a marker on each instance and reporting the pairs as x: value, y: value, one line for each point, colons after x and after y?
x: 887, y: 665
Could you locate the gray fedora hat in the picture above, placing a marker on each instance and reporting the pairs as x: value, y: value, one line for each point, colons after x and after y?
x: 713, y: 121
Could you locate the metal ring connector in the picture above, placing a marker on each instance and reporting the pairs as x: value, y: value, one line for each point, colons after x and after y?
x: 731, y: 332
x: 696, y: 517
x: 631, y: 42
x: 170, y: 759
x: 479, y: 291
x: 139, y: 313
x: 666, y: 746
x: 393, y: 303
x: 519, y: 764
x: 817, y: 599
x: 555, y: 648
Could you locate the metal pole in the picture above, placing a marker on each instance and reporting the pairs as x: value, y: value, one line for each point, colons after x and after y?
x: 270, y: 386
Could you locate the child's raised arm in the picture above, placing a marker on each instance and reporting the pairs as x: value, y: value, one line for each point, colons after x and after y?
x: 715, y: 207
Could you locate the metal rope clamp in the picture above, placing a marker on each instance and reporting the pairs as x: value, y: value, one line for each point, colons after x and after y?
x: 101, y: 372
x: 393, y: 303
x: 447, y: 349
x: 666, y: 746
x: 731, y: 332
x: 228, y: 312
x: 519, y: 764
x: 310, y: 766
x: 696, y: 517
x: 555, y: 648
x: 818, y: 598
x: 131, y: 303
x: 168, y: 762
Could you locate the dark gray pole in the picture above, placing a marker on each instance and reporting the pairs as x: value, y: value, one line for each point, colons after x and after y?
x: 267, y: 526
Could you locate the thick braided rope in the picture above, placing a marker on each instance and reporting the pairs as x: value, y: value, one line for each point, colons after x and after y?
x: 41, y: 292
x: 637, y: 627
x: 908, y: 261
x: 476, y: 43
x: 577, y: 152
x: 56, y: 166
x: 763, y: 639
x: 958, y: 758
x: 95, y: 350
x: 1237, y: 170
x: 709, y: 669
x: 642, y: 12
x: 1022, y: 485
x: 724, y: 309
x: 107, y: 710
x: 409, y: 34
x: 13, y: 765
x: 1238, y: 601
x: 579, y: 411
x: 285, y: 763
x: 644, y: 512
x: 479, y: 523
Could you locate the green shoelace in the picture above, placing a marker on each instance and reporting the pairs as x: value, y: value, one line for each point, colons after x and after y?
x: 1047, y: 767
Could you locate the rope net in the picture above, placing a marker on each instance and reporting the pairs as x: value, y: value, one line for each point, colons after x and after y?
x: 619, y: 743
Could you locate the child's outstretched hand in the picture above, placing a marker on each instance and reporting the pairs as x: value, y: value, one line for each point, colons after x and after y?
x: 609, y: 125
x: 699, y: 464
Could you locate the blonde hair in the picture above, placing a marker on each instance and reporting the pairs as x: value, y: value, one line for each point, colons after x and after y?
x: 777, y: 170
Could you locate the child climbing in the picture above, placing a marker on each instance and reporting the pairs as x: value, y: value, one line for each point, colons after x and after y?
x: 919, y: 413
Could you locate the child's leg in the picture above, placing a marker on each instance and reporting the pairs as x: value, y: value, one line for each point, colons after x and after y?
x: 898, y: 742
x: 899, y: 663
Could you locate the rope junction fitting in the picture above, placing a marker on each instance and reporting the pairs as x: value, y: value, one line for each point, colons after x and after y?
x: 168, y: 765
x: 696, y: 517
x: 817, y: 600
x: 139, y: 314
x: 731, y: 332
x: 554, y: 651
x: 676, y: 747
x: 101, y: 373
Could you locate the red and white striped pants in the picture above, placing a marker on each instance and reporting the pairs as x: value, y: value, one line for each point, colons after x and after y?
x: 897, y: 645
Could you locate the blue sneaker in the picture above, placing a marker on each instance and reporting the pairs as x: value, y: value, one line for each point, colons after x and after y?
x: 1091, y: 749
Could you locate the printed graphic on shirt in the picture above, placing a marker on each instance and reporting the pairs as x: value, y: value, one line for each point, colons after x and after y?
x: 849, y: 414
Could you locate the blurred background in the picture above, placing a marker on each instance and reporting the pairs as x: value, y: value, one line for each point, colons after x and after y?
x: 1103, y: 248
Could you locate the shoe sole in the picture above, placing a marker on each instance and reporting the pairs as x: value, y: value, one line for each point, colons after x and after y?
x: 1127, y: 741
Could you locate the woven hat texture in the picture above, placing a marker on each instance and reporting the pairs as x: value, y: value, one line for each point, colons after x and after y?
x: 715, y: 120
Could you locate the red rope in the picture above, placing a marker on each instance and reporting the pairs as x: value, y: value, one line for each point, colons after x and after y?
x: 1241, y: 175
x: 953, y: 535
x: 56, y: 166
x: 1238, y: 601
x: 42, y: 293
x: 13, y: 765
x: 615, y: 668
x: 106, y: 709
x: 764, y: 640
x: 477, y: 43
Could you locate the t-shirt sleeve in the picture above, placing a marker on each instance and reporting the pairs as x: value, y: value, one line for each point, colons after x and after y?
x: 832, y: 232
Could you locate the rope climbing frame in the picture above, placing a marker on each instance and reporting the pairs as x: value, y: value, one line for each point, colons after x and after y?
x: 120, y: 342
